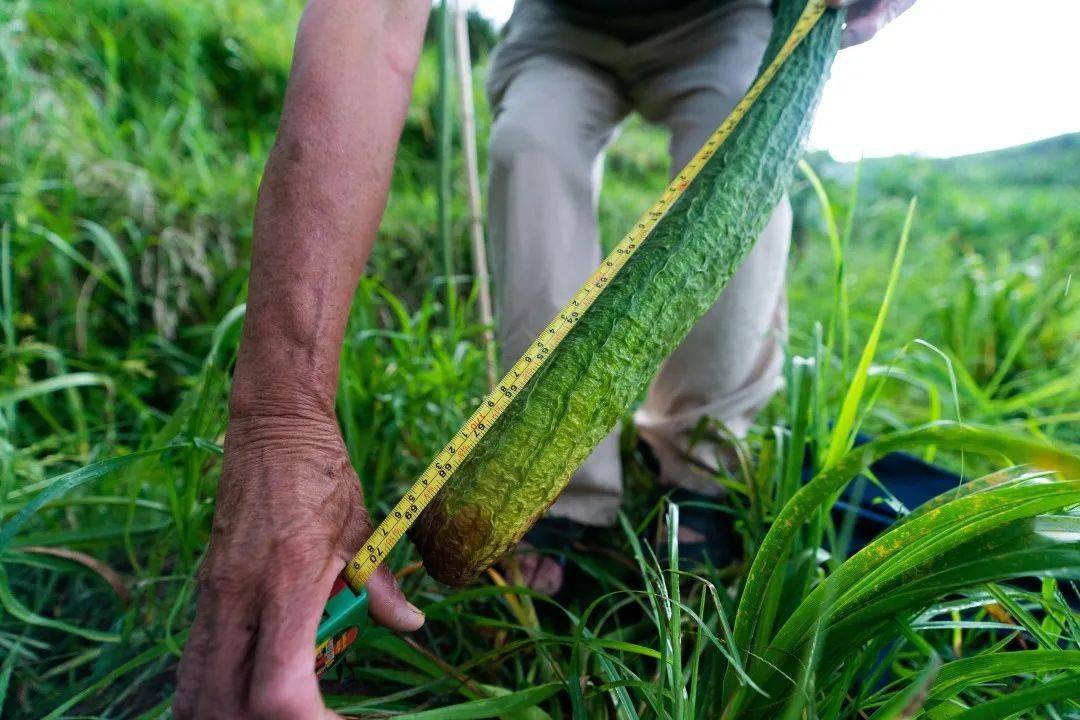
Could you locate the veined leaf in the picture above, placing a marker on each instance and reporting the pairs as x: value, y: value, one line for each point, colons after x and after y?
x: 751, y: 632
x: 960, y: 675
x: 971, y: 540
x: 924, y: 548
x: 1064, y: 688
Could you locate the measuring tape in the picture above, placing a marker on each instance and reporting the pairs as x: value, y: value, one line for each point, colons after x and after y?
x: 476, y: 427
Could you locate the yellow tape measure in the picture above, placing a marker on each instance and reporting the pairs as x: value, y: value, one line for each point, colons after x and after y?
x: 468, y: 437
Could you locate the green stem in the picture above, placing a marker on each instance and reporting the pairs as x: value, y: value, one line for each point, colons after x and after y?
x: 445, y: 128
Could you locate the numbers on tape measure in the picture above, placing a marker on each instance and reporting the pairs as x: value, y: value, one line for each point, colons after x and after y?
x: 436, y: 475
x: 375, y: 553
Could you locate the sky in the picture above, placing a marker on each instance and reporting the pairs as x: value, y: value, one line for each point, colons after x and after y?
x: 949, y: 77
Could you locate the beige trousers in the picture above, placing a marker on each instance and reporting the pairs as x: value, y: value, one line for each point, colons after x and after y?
x: 559, y: 91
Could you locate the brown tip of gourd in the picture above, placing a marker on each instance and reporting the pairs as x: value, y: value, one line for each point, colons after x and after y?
x: 452, y: 546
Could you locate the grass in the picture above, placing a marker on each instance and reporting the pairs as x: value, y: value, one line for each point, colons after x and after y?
x: 133, y: 135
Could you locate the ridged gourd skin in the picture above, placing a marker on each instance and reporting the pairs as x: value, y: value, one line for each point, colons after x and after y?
x: 610, y: 356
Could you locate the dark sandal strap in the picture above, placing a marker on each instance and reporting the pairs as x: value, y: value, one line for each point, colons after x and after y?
x: 554, y: 533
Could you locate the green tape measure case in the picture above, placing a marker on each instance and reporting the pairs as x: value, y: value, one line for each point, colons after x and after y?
x: 345, y: 618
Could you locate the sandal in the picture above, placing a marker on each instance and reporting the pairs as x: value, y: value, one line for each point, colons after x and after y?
x: 554, y: 533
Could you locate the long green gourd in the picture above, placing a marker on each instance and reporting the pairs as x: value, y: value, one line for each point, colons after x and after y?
x: 611, y: 354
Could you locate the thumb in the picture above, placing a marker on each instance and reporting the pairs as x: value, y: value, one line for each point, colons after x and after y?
x: 388, y: 605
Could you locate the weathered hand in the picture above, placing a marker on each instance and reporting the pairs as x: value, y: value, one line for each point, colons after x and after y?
x: 289, y: 516
x: 866, y: 17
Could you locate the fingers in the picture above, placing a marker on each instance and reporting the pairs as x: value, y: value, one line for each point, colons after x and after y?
x: 387, y: 604
x: 867, y: 17
x: 264, y: 584
x: 227, y: 666
x: 283, y: 682
x: 190, y: 673
x: 251, y: 650
x: 216, y: 667
x: 283, y: 519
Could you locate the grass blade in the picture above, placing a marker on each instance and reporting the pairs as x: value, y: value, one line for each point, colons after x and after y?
x: 959, y: 675
x: 906, y: 703
x: 1029, y: 698
x: 24, y: 614
x: 845, y: 427
x: 497, y: 707
x: 62, y: 484
x: 56, y: 384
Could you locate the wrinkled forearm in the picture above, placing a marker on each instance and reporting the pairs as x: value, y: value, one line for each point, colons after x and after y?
x: 322, y: 197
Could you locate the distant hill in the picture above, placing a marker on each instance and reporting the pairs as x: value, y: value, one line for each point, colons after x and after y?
x: 1054, y: 161
x: 1051, y: 162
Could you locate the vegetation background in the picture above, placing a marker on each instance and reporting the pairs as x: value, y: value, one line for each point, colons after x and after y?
x: 133, y: 135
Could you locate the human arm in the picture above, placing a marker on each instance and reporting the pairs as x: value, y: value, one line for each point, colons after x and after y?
x: 290, y: 512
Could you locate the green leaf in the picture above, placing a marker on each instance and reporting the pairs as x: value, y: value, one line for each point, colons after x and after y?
x: 106, y: 680
x: 1015, y: 548
x: 840, y: 317
x: 54, y: 384
x: 110, y: 249
x: 751, y: 630
x: 906, y: 703
x: 62, y: 484
x: 974, y: 539
x: 959, y: 675
x: 845, y: 426
x: 1065, y: 688
x: 65, y: 248
x: 20, y: 612
x: 495, y: 707
x: 7, y: 668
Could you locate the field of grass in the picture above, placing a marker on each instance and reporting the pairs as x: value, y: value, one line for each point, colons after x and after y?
x: 132, y: 135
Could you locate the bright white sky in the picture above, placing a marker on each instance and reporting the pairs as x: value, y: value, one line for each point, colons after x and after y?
x: 948, y: 77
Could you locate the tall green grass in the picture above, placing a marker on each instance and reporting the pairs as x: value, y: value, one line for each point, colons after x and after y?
x: 133, y: 135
